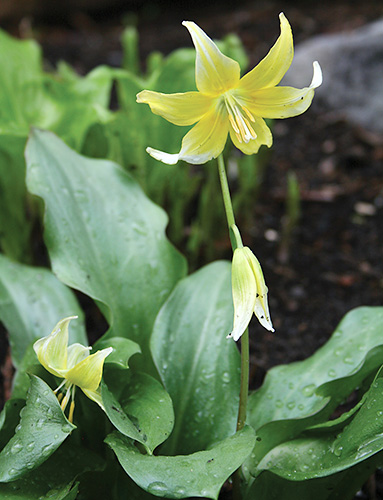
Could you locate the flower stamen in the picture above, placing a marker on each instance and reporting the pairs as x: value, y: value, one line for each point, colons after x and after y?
x: 239, y: 117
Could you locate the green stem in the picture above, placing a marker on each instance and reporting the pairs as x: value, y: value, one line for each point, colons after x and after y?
x: 244, y: 380
x: 236, y: 242
x: 235, y: 237
x: 225, y: 192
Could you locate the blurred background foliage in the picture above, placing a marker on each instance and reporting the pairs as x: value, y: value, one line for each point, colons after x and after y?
x: 98, y: 116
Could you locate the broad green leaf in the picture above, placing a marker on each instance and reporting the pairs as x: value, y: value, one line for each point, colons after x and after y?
x: 104, y: 236
x: 339, y: 486
x: 15, y: 225
x: 32, y: 301
x: 198, y: 365
x: 290, y: 391
x: 146, y: 401
x: 296, y: 396
x: 119, y: 418
x: 200, y: 474
x: 54, y: 478
x: 123, y: 350
x: 42, y: 429
x: 324, y: 450
x: 144, y: 411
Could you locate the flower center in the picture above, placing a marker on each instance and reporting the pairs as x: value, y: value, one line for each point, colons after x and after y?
x: 240, y: 118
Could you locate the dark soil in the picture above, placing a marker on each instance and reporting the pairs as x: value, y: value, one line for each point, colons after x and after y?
x: 334, y: 262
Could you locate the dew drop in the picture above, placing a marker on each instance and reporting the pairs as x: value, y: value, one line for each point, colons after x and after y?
x: 308, y: 390
x: 338, y: 451
x: 30, y: 445
x: 157, y: 487
x: 291, y: 405
x: 179, y: 490
x: 16, y: 448
x: 331, y: 373
x: 278, y: 403
x: 348, y: 360
x: 225, y: 377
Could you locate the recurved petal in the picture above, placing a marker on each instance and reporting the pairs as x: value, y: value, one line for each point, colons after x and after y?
x: 264, y: 137
x: 284, y: 102
x: 244, y: 289
x: 51, y: 351
x: 261, y: 308
x: 270, y: 71
x: 181, y: 109
x: 214, y: 72
x: 87, y: 374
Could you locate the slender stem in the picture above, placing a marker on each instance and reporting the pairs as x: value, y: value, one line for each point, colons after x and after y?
x: 244, y: 380
x: 236, y: 242
x: 235, y: 236
x: 225, y: 192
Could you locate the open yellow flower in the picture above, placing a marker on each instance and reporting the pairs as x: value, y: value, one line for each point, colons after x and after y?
x: 249, y: 292
x: 73, y: 364
x: 226, y: 103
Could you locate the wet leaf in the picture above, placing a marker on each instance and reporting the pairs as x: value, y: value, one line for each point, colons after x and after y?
x: 200, y: 474
x: 198, y: 365
x: 32, y: 301
x: 104, y: 237
x: 42, y: 429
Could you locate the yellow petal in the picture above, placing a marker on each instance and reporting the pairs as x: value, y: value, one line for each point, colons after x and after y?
x: 244, y: 289
x: 261, y: 307
x: 264, y: 137
x: 180, y: 109
x: 270, y: 71
x: 87, y: 374
x: 284, y: 102
x: 203, y: 142
x: 214, y: 72
x: 94, y: 396
x: 51, y: 351
x: 76, y: 353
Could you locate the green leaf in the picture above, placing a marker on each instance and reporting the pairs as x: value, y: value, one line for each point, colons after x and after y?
x: 32, y: 301
x: 324, y: 450
x: 296, y: 396
x: 146, y: 401
x: 198, y: 365
x: 54, y: 478
x: 104, y: 236
x: 200, y: 474
x: 15, y: 225
x: 123, y: 350
x: 144, y: 411
x: 118, y: 417
x: 21, y: 63
x: 42, y: 429
x: 340, y: 486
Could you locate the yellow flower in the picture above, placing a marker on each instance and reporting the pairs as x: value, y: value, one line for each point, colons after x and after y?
x: 249, y: 292
x: 73, y: 364
x: 226, y: 103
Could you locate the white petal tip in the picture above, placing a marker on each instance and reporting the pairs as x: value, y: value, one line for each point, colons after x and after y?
x: 317, y: 76
x: 169, y: 159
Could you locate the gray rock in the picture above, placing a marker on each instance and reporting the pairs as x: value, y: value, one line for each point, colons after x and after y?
x: 352, y: 65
